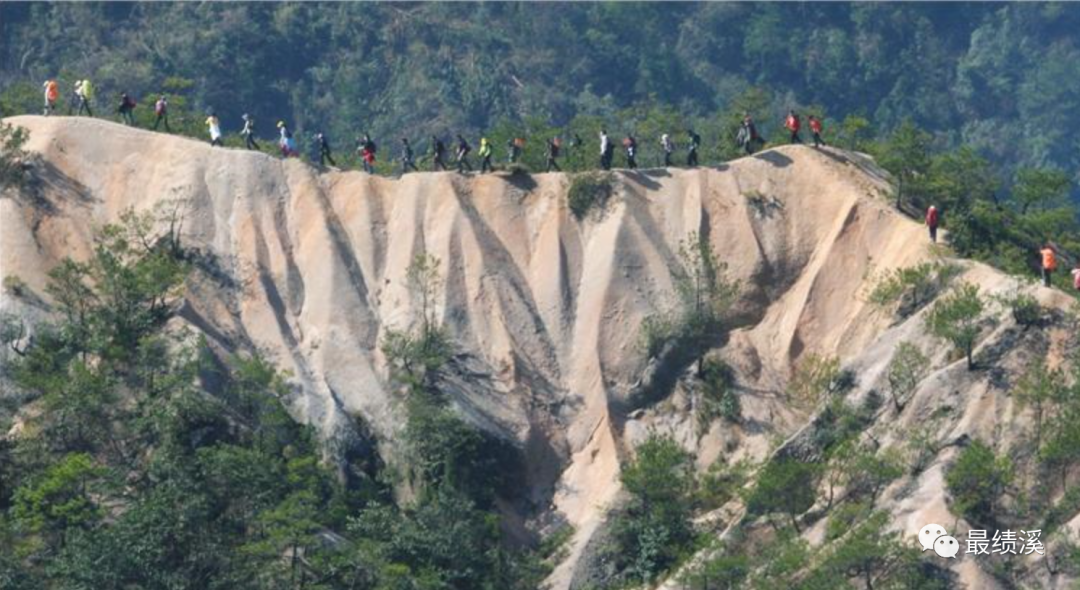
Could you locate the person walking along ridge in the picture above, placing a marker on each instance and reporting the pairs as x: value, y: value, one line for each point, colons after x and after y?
x: 407, y: 157
x: 692, y: 150
x: 249, y: 132
x: 161, y: 112
x: 793, y: 124
x: 214, y: 126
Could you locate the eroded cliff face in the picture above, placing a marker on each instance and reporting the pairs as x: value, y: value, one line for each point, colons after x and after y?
x: 545, y: 310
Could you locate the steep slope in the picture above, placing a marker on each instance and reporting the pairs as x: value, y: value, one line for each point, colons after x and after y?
x: 310, y: 269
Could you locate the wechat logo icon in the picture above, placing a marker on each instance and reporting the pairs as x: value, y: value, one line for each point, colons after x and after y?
x: 933, y: 537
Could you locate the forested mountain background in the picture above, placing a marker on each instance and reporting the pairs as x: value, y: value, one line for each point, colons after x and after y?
x: 1004, y: 79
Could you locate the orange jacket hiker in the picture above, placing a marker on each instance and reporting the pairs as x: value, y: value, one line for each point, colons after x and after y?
x: 1049, y: 259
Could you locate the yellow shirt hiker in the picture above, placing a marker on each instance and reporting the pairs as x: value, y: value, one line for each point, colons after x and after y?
x: 215, y: 130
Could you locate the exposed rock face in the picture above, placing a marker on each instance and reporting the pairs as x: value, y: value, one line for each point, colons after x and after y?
x: 310, y: 269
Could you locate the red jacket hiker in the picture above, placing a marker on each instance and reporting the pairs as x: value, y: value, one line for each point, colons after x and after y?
x: 793, y: 124
x: 932, y: 222
x: 815, y: 125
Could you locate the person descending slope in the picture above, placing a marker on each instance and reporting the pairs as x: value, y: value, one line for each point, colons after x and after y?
x: 815, y: 128
x: 161, y: 112
x: 932, y: 222
x: 1049, y: 263
x: 485, y: 156
x: 692, y: 151
x: 463, y: 149
x: 438, y: 150
x: 514, y: 146
x: 748, y: 136
x: 249, y: 132
x: 553, y: 146
x: 325, y: 154
x: 126, y: 109
x: 407, y: 157
x: 793, y: 124
x: 52, y: 94
x: 605, y: 150
x: 669, y: 147
x: 630, y: 143
x: 214, y: 125
x: 367, y: 151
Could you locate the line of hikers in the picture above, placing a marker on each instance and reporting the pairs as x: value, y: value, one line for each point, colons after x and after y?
x: 1047, y: 254
x: 747, y: 138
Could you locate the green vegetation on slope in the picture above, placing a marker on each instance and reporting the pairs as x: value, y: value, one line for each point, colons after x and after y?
x: 141, y: 461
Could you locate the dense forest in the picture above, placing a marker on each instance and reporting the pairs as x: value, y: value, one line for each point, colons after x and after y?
x: 1004, y: 79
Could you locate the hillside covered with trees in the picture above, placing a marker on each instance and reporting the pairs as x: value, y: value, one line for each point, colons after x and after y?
x: 1004, y: 79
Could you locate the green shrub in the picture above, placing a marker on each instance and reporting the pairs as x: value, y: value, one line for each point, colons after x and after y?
x: 589, y: 190
x: 719, y: 398
x: 977, y: 480
x: 956, y: 318
x: 815, y: 377
x: 785, y: 486
x: 722, y: 483
x: 12, y: 155
x: 15, y: 286
x: 1024, y: 308
x: 906, y: 369
x: 652, y: 532
x: 909, y: 289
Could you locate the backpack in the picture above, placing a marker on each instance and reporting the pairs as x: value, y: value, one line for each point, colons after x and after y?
x: 159, y: 107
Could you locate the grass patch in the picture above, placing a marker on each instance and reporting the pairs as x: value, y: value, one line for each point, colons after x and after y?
x: 589, y: 190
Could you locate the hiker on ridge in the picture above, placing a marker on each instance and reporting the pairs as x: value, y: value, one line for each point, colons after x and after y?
x: 605, y: 150
x: 52, y: 94
x: 668, y: 146
x: 485, y: 156
x: 367, y: 151
x: 437, y: 151
x: 793, y: 124
x: 249, y: 132
x: 692, y: 151
x: 324, y: 150
x: 553, y: 145
x: 161, y: 110
x: 630, y: 143
x: 214, y: 126
x: 514, y: 145
x: 286, y: 143
x: 407, y: 157
x: 82, y: 97
x: 747, y: 135
x: 1049, y: 263
x: 932, y: 222
x: 126, y: 108
x: 463, y: 149
x: 815, y: 128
